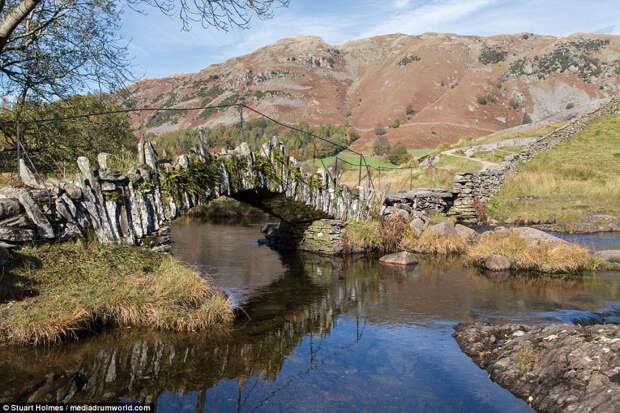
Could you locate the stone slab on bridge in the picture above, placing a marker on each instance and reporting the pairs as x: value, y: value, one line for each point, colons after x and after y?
x: 130, y: 208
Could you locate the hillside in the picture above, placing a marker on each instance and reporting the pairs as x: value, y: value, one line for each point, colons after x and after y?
x: 432, y: 88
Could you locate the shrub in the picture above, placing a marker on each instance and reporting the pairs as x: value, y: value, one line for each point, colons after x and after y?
x: 531, y: 256
x: 398, y: 154
x: 491, y: 55
x: 409, y: 111
x: 395, y: 124
x: 514, y: 103
x: 526, y: 119
x: 391, y: 231
x: 380, y: 129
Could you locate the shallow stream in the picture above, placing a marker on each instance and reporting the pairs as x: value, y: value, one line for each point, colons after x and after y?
x: 313, y: 334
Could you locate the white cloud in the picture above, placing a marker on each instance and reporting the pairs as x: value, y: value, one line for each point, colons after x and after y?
x: 399, y: 4
x: 429, y: 17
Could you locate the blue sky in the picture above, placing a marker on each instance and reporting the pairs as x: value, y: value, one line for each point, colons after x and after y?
x: 161, y: 48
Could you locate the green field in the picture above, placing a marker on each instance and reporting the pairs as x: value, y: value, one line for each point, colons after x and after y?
x: 372, y: 160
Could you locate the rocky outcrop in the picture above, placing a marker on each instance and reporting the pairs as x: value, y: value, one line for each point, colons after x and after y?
x: 427, y: 200
x: 556, y: 368
x: 324, y: 237
x: 610, y: 255
x: 133, y: 208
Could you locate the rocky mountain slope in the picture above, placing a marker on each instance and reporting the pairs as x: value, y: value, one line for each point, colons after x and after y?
x: 426, y: 90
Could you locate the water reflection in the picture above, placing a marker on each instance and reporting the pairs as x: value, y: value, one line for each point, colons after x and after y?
x: 321, y: 335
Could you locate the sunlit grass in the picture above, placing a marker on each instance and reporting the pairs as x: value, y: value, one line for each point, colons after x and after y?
x: 79, y: 285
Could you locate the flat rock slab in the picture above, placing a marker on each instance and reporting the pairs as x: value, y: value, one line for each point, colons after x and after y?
x: 555, y: 368
x: 400, y: 258
x: 610, y: 255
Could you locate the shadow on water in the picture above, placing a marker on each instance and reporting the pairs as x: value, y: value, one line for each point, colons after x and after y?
x: 320, y: 334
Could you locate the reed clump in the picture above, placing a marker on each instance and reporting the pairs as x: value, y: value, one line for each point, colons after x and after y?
x: 61, y: 291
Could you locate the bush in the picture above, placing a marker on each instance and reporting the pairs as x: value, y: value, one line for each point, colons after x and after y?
x: 391, y: 230
x: 514, y: 103
x: 527, y: 119
x: 409, y: 111
x: 381, y: 146
x: 398, y: 154
x: 380, y: 129
x: 395, y: 124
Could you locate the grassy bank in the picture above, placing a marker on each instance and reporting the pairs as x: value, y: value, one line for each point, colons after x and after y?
x: 56, y: 292
x: 568, y: 182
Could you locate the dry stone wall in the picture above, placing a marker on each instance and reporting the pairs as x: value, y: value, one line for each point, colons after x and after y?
x: 135, y: 208
x: 477, y: 187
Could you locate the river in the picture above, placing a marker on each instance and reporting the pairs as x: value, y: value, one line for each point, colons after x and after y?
x: 312, y: 335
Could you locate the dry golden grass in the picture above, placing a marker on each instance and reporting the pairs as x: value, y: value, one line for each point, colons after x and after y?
x: 431, y: 243
x: 526, y: 255
x: 79, y: 286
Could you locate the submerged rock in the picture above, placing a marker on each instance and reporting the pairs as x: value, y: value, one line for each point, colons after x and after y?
x: 399, y: 258
x: 497, y: 263
x: 556, y: 368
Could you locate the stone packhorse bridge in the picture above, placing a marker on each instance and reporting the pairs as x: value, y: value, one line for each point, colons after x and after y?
x: 134, y: 208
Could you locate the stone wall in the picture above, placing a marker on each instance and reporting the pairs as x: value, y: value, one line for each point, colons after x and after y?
x: 135, y: 208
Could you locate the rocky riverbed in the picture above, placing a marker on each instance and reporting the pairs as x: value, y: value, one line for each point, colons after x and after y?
x: 555, y: 368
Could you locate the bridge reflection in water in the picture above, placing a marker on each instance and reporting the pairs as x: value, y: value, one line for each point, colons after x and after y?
x: 323, y: 334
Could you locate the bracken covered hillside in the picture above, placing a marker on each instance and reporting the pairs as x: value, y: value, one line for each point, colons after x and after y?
x: 427, y: 89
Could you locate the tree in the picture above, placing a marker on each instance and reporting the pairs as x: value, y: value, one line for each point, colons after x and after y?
x: 379, y: 129
x: 409, y: 111
x: 398, y: 154
x: 55, y: 48
x: 80, y: 137
x: 381, y: 146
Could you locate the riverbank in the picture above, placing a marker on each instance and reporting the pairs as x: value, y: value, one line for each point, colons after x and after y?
x: 55, y: 292
x: 517, y: 249
x: 556, y: 368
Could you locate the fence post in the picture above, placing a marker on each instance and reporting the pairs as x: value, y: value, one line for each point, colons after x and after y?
x: 241, y: 123
x: 359, y: 173
x: 18, y: 132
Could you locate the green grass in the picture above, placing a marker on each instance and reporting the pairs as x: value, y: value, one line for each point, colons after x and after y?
x: 568, y: 182
x: 499, y: 154
x: 55, y: 292
x: 457, y: 164
x: 372, y: 160
x: 501, y: 136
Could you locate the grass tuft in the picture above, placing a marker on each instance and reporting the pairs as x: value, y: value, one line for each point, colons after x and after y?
x: 431, y: 243
x: 526, y: 255
x: 73, y: 287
